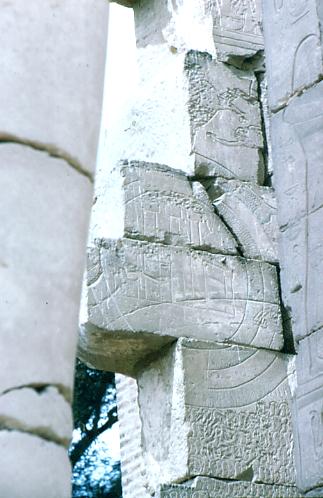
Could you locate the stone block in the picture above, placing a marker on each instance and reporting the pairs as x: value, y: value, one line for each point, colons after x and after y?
x: 44, y: 413
x: 50, y: 47
x: 308, y: 410
x: 297, y: 133
x: 32, y: 467
x: 292, y: 31
x: 44, y: 210
x: 222, y: 411
x: 133, y: 472
x: 203, y: 487
x: 195, y: 114
x: 156, y: 203
x: 251, y: 213
x: 141, y: 295
x: 237, y: 29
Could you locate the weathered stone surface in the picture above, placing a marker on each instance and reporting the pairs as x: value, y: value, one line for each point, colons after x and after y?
x: 141, y: 294
x: 32, y: 467
x: 308, y: 409
x: 237, y: 28
x: 251, y: 213
x: 44, y: 413
x: 203, y: 487
x: 292, y: 31
x: 222, y: 411
x: 41, y: 261
x: 41, y: 97
x: 297, y: 135
x: 133, y: 472
x: 160, y: 204
x: 225, y: 120
x: 194, y: 114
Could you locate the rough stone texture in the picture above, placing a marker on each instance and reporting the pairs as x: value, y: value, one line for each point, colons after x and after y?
x: 251, y: 213
x: 133, y: 474
x: 45, y: 413
x: 297, y: 135
x: 293, y: 46
x: 189, y: 112
x: 202, y: 487
x: 32, y: 467
x: 50, y: 47
x: 156, y: 203
x: 237, y: 28
x: 219, y: 411
x: 43, y: 221
x: 225, y: 119
x: 308, y: 410
x: 141, y: 294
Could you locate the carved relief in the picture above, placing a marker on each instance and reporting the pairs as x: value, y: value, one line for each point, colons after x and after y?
x: 227, y: 411
x: 293, y: 42
x: 255, y: 227
x: 225, y: 119
x: 237, y: 28
x: 171, y: 291
x: 297, y: 134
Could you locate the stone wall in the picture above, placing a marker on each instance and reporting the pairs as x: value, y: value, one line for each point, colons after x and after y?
x: 52, y: 64
x: 183, y: 272
x: 293, y: 35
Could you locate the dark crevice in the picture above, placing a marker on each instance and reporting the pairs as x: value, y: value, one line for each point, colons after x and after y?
x: 265, y: 150
x: 50, y: 149
x: 289, y: 345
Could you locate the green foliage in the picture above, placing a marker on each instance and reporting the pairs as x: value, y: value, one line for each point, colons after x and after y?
x: 95, y: 411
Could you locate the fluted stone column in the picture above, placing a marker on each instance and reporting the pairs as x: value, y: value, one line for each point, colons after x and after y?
x: 52, y: 66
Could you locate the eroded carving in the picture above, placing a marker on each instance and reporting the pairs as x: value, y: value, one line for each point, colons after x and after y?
x: 139, y: 287
x: 237, y: 28
x: 223, y: 413
x: 225, y: 119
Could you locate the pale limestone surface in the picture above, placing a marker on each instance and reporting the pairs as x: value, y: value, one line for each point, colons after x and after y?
x: 140, y: 295
x: 219, y: 411
x: 297, y: 133
x: 198, y: 115
x: 41, y: 262
x: 203, y: 487
x: 308, y: 407
x: 52, y: 74
x: 133, y: 473
x: 251, y: 213
x: 293, y: 46
x: 156, y: 203
x: 45, y: 413
x: 237, y: 28
x: 32, y: 467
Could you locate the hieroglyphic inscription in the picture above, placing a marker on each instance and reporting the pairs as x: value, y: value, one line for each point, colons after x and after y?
x: 292, y: 35
x: 256, y: 227
x: 308, y: 412
x: 203, y: 487
x: 227, y: 412
x: 162, y: 206
x: 167, y: 290
x: 297, y: 136
x: 237, y: 28
x: 225, y: 119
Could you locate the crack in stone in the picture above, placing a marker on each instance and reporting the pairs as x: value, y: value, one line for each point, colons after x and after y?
x: 296, y: 94
x: 51, y: 150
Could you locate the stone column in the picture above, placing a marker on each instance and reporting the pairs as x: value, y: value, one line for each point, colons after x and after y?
x: 182, y: 285
x: 293, y: 42
x: 52, y: 65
